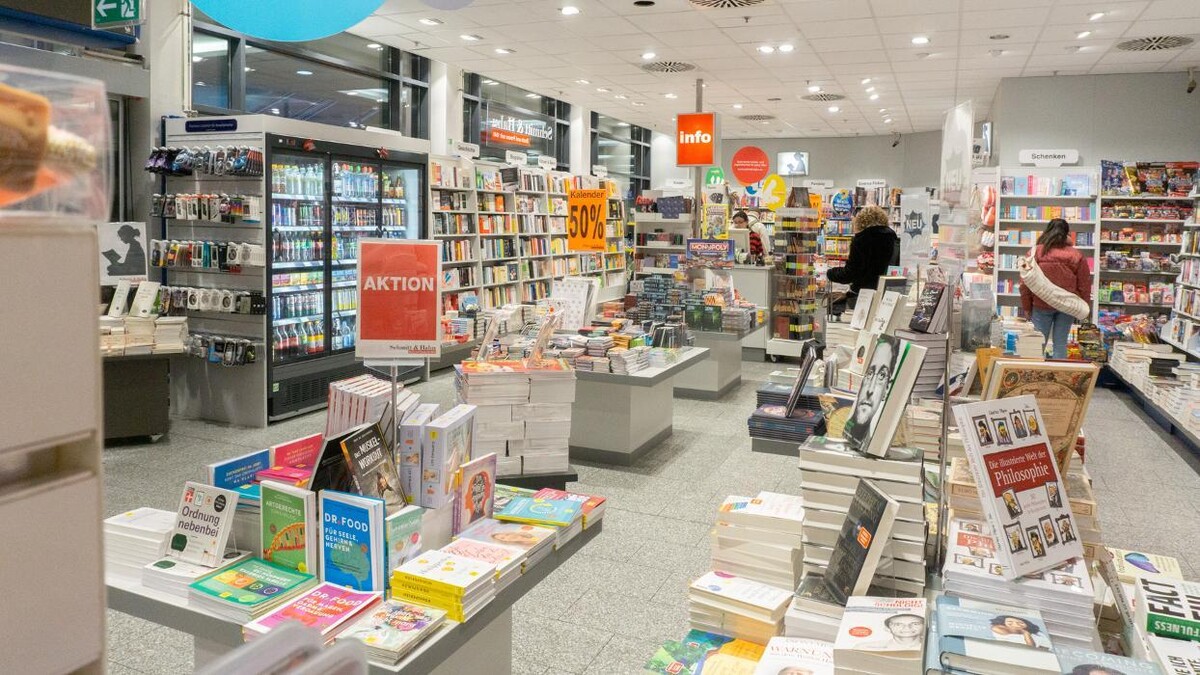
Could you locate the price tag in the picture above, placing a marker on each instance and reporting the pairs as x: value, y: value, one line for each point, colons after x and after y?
x: 547, y: 162
x: 585, y: 219
x: 516, y: 158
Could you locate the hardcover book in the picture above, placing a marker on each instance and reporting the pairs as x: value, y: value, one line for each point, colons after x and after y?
x: 1073, y: 660
x: 447, y: 446
x: 860, y: 543
x: 931, y: 311
x: 979, y: 637
x: 1176, y: 657
x: 1168, y: 608
x: 408, y: 452
x: 240, y: 474
x: 476, y: 486
x: 202, y: 524
x: 881, y: 635
x: 324, y: 608
x: 1021, y: 492
x: 445, y: 573
x: 796, y: 655
x: 393, y: 628
x: 293, y: 461
x: 289, y: 526
x: 884, y: 321
x: 887, y: 385
x: 403, y: 535
x: 521, y: 535
x: 352, y: 546
x: 370, y: 462
x: 1062, y: 389
x: 808, y: 358
x: 862, y: 309
x: 558, y: 512
x: 250, y: 584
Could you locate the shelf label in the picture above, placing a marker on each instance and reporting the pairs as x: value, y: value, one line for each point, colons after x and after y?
x: 547, y: 162
x: 585, y: 221
x: 815, y: 185
x: 871, y: 183
x: 1048, y: 157
x: 399, y: 299
x: 515, y: 158
x: 210, y: 125
x: 599, y: 171
x: 465, y: 150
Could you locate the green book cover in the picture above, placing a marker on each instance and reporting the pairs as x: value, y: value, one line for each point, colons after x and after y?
x: 250, y: 583
x: 403, y: 532
x: 284, y: 530
x: 1168, y: 607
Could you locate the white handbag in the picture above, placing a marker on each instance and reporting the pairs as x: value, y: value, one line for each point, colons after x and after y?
x: 1051, y: 293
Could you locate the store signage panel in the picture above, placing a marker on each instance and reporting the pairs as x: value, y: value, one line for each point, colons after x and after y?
x: 399, y: 299
x: 506, y: 128
x: 547, y: 162
x: 585, y: 220
x: 750, y: 164
x: 696, y: 139
x: 515, y: 158
x: 210, y: 125
x: 287, y: 20
x: 774, y: 192
x: 821, y: 185
x: 871, y: 183
x: 599, y: 171
x: 1048, y: 157
x: 114, y: 13
x: 715, y: 176
x: 464, y: 149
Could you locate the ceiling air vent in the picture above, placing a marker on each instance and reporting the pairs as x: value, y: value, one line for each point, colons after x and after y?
x: 756, y: 118
x: 668, y: 67
x: 1157, y: 43
x: 823, y: 97
x: 725, y: 4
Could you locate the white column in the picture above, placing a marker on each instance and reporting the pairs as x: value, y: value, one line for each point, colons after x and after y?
x: 445, y: 107
x: 581, y: 140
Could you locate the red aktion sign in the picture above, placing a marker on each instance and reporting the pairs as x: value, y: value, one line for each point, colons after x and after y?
x: 399, y: 299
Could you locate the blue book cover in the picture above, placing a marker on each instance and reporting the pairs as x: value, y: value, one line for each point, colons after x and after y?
x: 559, y: 512
x: 974, y: 632
x: 352, y: 548
x: 238, y: 474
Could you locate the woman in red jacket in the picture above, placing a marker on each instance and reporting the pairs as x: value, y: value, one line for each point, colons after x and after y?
x: 1067, y: 268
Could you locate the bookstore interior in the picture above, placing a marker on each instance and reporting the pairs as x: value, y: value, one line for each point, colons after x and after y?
x: 453, y: 336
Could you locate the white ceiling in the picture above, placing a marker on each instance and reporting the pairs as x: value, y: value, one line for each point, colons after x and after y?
x: 837, y: 44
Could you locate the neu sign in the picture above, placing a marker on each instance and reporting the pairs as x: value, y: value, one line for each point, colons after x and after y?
x: 695, y: 139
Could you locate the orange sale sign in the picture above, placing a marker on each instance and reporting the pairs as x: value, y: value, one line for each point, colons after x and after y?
x: 399, y: 299
x: 585, y: 224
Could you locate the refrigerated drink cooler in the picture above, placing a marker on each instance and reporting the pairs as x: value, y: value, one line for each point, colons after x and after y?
x: 322, y: 188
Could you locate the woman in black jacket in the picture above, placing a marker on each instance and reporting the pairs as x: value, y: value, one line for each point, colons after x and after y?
x: 874, y: 247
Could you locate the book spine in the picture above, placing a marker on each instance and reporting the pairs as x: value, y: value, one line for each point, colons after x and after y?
x: 425, y: 584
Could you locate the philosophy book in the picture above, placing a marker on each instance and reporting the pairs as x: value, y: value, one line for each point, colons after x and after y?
x: 1168, y: 608
x: 202, y: 524
x: 888, y: 380
x: 474, y: 491
x: 289, y: 526
x: 980, y: 637
x: 860, y: 543
x: 325, y: 608
x: 1022, y: 495
x: 352, y: 541
x: 884, y: 321
x: 370, y: 461
x: 862, y: 309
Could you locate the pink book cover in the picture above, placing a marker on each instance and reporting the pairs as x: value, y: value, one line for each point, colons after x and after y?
x: 299, y: 454
x: 285, y: 474
x: 324, y: 608
x: 477, y: 487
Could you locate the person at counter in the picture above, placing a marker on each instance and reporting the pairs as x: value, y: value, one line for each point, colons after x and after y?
x: 874, y: 247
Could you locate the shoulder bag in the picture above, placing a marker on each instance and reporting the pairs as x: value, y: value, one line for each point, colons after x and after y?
x: 1051, y: 293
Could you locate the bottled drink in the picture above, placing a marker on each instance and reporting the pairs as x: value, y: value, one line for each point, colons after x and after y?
x: 320, y: 344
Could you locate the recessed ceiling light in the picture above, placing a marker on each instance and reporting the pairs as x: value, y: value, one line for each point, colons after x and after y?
x: 249, y: 69
x: 603, y: 90
x: 430, y: 22
x: 870, y: 89
x: 874, y: 97
x: 201, y: 84
x: 582, y: 82
x: 1096, y: 16
x: 503, y: 50
x: 737, y: 106
x: 883, y: 110
x: 648, y: 55
x: 999, y: 36
x: 532, y: 95
x: 765, y: 122
x: 643, y: 3
x: 470, y: 38
x: 996, y: 52
x: 374, y: 45
x: 638, y: 103
x: 865, y: 80
x: 887, y: 121
x: 304, y: 72
x: 766, y: 49
x: 621, y: 97
x: 489, y: 82
x: 834, y: 108
x: 570, y: 10
x: 786, y: 48
x: 670, y: 96
x: 920, y: 40
x: 813, y: 88
x: 1083, y: 34
x: 774, y: 99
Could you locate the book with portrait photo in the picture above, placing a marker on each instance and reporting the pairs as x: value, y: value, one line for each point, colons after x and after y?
x: 980, y: 637
x: 888, y: 380
x: 1019, y: 486
x: 881, y: 635
x: 1076, y: 661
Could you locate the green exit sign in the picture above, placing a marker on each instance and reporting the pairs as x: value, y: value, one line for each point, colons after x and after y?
x: 115, y: 13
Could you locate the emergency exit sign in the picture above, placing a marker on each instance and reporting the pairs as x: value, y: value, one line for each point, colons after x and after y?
x: 115, y: 13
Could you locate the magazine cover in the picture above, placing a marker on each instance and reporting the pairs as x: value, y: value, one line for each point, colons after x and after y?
x: 1020, y: 490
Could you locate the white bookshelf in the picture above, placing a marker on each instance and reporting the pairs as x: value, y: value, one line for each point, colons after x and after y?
x: 650, y: 223
x: 1183, y: 329
x: 1120, y: 229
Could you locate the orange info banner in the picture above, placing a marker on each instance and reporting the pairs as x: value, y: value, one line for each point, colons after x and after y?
x: 585, y: 221
x: 399, y: 299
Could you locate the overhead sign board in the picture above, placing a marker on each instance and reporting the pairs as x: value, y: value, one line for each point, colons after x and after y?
x: 1048, y: 157
x: 115, y: 13
x: 696, y: 139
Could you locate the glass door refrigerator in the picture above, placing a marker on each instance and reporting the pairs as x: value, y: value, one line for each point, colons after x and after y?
x: 324, y: 198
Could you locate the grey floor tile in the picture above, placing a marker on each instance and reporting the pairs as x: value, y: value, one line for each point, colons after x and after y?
x: 630, y: 617
x: 623, y: 656
x: 113, y: 668
x: 563, y: 647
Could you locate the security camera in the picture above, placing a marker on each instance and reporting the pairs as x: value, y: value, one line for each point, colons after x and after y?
x: 1191, y: 80
x: 896, y: 140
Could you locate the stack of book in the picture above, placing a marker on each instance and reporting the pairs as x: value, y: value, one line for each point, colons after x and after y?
x: 135, y: 538
x: 365, y: 399
x: 564, y: 514
x: 796, y: 656
x: 984, y: 637
x: 923, y: 429
x: 838, y: 334
x: 170, y: 334
x: 326, y: 608
x: 737, y: 607
x: 760, y: 539
x: 773, y: 422
x: 592, y: 506
x: 829, y: 475
x: 139, y: 335
x: 509, y: 561
x: 593, y: 364
x: 236, y: 592
x: 933, y: 368
x: 626, y: 361
x: 457, y: 585
x: 1021, y: 339
x: 599, y: 346
x: 551, y: 381
x: 535, y: 540
x: 175, y: 577
x: 391, y: 629
x: 881, y: 636
x: 492, y: 382
x: 661, y: 357
x: 1064, y: 595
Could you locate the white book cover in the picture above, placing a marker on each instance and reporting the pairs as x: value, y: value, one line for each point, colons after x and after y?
x: 1177, y: 657
x: 796, y: 656
x: 142, y: 522
x: 862, y: 309
x: 174, y: 573
x: 894, y: 626
x: 743, y: 591
x: 144, y: 299
x: 1022, y: 494
x: 408, y: 450
x: 202, y: 524
x: 882, y: 322
x: 446, y: 447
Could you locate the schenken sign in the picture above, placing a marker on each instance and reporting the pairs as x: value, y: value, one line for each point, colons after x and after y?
x: 399, y: 299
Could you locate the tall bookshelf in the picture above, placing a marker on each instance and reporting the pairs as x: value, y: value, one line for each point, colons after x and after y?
x: 1138, y: 236
x: 1027, y: 199
x: 1183, y: 329
x: 504, y: 235
x: 660, y: 244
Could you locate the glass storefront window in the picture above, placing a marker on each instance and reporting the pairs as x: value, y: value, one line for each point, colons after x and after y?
x: 278, y: 84
x: 210, y: 70
x: 501, y: 117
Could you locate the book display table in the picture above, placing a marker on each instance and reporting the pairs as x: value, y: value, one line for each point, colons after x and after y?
x: 617, y: 418
x: 482, y: 644
x: 753, y: 282
x: 717, y: 375
x: 537, y: 481
x: 452, y: 355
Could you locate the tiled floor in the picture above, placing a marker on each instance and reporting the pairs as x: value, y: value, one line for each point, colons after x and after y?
x: 607, y: 609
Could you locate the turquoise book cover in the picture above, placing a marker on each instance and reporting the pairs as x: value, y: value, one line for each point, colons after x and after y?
x: 560, y: 512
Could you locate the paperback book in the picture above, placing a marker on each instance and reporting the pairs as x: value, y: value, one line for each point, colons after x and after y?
x: 796, y: 656
x: 522, y: 535
x: 325, y: 608
x: 403, y: 535
x: 537, y: 511
x: 248, y: 590
x: 887, y: 384
x: 592, y: 506
x: 352, y: 545
x: 1073, y: 660
x: 1168, y: 608
x: 860, y: 543
x: 884, y: 321
x: 370, y: 462
x: 391, y: 629
x: 1022, y: 494
x: 475, y: 489
x: 979, y: 637
x: 173, y: 576
x: 682, y: 657
x: 293, y: 461
x: 862, y: 309
x: 932, y: 309
x: 202, y: 524
x: 881, y: 635
x: 289, y: 526
x: 1176, y: 657
x: 447, y: 446
x: 240, y: 474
